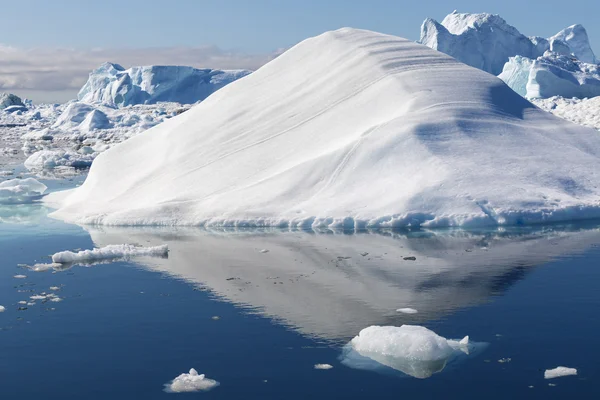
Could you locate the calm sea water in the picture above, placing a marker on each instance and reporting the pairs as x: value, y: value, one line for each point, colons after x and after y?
x: 256, y: 310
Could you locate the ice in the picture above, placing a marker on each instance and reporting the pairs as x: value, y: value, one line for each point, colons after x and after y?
x: 191, y: 382
x: 109, y: 252
x: 558, y: 372
x: 407, y: 310
x: 20, y: 276
x: 483, y: 41
x: 580, y: 111
x: 51, y: 159
x: 21, y: 191
x: 323, y: 366
x: 552, y: 74
x: 2, y: 309
x: 576, y: 38
x: 113, y: 85
x: 9, y: 99
x: 413, y: 350
x: 351, y: 129
x: 563, y: 64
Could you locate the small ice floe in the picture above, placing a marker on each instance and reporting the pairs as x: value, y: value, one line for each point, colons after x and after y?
x: 54, y: 288
x: 558, y: 372
x: 2, y: 309
x: 21, y: 191
x: 264, y: 251
x: 55, y: 299
x: 191, y: 382
x: 323, y: 366
x: 113, y: 251
x: 407, y: 310
x: 20, y: 276
x: 504, y: 360
x: 37, y: 297
x: 413, y: 350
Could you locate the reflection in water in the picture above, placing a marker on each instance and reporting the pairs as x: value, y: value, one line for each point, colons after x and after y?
x: 330, y: 286
x: 22, y: 213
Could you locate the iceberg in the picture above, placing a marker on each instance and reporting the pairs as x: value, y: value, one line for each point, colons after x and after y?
x: 190, y: 382
x: 390, y: 134
x: 411, y: 349
x: 584, y: 112
x: 21, y: 191
x: 113, y: 85
x: 552, y: 74
x: 559, y: 372
x: 9, y: 100
x: 534, y: 67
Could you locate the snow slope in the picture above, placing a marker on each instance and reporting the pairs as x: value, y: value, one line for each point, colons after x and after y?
x: 351, y: 128
x: 113, y: 85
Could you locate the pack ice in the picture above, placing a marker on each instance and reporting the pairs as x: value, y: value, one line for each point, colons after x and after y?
x: 113, y: 85
x: 349, y: 129
x: 562, y: 65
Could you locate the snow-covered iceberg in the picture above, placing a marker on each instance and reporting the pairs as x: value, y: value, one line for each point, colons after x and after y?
x: 190, y: 382
x: 9, y: 100
x: 349, y: 129
x: 114, y: 85
x: 535, y: 67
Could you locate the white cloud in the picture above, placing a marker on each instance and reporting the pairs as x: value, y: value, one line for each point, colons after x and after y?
x: 57, y: 74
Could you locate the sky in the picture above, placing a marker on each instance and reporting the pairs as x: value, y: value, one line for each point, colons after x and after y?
x: 48, y: 48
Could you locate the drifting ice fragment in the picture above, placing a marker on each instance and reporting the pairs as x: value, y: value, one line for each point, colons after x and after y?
x: 407, y: 310
x: 19, y: 191
x: 323, y: 366
x: 191, y: 382
x: 558, y: 372
x: 109, y: 252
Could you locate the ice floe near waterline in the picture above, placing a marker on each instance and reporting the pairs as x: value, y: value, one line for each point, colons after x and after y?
x: 190, y: 382
x: 559, y: 372
x: 349, y: 129
x: 413, y: 350
x: 109, y: 252
x: 21, y: 191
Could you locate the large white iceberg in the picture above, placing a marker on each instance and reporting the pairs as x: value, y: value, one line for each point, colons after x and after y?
x: 349, y: 129
x: 114, y: 85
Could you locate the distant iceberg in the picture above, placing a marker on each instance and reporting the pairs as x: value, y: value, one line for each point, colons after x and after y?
x: 351, y: 129
x: 113, y: 85
x: 535, y: 67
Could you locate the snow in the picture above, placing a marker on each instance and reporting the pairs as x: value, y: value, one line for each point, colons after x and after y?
x: 113, y: 85
x: 51, y: 159
x: 21, y: 191
x: 191, y: 382
x: 407, y: 310
x: 563, y: 64
x: 580, y: 111
x: 350, y: 129
x: 414, y: 350
x: 559, y: 372
x: 323, y: 366
x: 109, y: 252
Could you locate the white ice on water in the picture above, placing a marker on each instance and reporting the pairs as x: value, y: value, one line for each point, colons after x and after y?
x: 21, y: 191
x: 2, y: 309
x: 323, y: 366
x: 559, y: 372
x: 349, y: 129
x: 109, y: 252
x: 413, y: 350
x: 191, y: 382
x: 407, y: 310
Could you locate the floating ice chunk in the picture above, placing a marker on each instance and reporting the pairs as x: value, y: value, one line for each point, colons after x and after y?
x: 51, y: 159
x: 407, y: 310
x: 37, y: 297
x: 413, y: 350
x: 323, y: 366
x: 109, y: 252
x: 2, y: 309
x: 19, y: 191
x: 191, y: 382
x: 20, y: 276
x: 54, y: 288
x: 558, y: 372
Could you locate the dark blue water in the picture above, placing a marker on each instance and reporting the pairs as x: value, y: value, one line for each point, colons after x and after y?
x: 124, y: 329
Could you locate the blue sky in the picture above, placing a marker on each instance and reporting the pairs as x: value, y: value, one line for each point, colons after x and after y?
x: 74, y: 34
